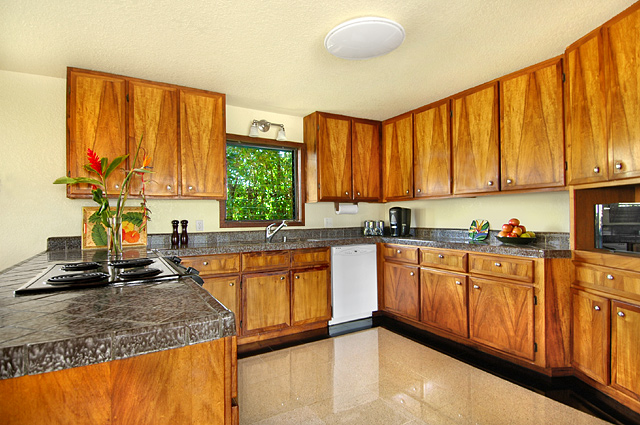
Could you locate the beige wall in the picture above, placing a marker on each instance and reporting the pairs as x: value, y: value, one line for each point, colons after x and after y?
x: 32, y: 142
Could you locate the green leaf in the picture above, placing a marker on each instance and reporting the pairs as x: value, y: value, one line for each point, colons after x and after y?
x: 99, y: 235
x: 135, y: 218
x: 75, y: 180
x: 90, y: 169
x: 114, y: 164
x: 94, y: 218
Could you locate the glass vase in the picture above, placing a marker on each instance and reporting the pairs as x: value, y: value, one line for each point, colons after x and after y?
x: 114, y: 237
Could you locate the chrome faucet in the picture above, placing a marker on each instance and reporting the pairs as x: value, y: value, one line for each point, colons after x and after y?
x: 269, y: 234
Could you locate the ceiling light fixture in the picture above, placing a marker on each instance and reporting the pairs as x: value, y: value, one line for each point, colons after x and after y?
x: 264, y: 126
x: 364, y: 38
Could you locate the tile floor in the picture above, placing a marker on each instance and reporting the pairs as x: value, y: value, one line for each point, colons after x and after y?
x: 379, y: 377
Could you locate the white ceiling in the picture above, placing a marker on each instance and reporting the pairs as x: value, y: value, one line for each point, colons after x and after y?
x: 269, y: 55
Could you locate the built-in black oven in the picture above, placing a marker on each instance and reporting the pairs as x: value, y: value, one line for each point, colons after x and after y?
x: 617, y: 227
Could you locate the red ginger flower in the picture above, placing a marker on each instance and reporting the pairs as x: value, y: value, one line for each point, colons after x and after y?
x: 94, y: 160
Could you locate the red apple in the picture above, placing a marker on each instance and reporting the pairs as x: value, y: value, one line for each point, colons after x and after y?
x: 507, y: 227
x: 503, y: 234
x: 517, y: 231
x: 524, y: 229
x: 514, y: 222
x: 512, y: 235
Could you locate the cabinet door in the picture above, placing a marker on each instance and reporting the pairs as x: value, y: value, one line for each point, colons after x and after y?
x: 622, y: 71
x: 203, y: 144
x: 153, y: 117
x: 475, y: 140
x: 96, y: 121
x: 625, y: 349
x: 334, y: 158
x: 365, y: 149
x: 265, y: 302
x: 443, y: 301
x: 225, y: 289
x: 432, y: 150
x: 532, y: 127
x: 501, y: 316
x: 310, y: 296
x: 586, y: 137
x: 401, y: 291
x: 590, y: 335
x: 397, y: 158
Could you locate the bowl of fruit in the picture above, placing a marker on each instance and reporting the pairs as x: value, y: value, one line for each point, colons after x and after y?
x: 515, y: 233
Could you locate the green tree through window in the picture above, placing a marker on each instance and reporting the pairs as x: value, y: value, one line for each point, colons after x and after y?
x: 260, y: 183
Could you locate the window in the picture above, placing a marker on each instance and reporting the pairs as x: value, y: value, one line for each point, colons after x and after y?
x: 263, y: 182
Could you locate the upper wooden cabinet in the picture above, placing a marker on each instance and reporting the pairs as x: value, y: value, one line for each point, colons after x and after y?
x: 153, y: 117
x: 432, y: 150
x: 397, y: 158
x: 203, y: 144
x: 622, y: 67
x: 475, y: 140
x: 585, y: 123
x: 343, y: 158
x: 532, y: 127
x: 96, y: 119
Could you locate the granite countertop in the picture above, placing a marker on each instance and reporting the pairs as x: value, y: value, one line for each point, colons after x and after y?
x: 48, y: 332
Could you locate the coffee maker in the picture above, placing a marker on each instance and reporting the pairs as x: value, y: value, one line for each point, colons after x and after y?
x: 399, y: 221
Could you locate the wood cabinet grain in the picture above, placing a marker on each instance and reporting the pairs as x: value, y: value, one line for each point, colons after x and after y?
x: 532, y: 127
x: 401, y: 290
x: 334, y: 158
x: 397, y: 158
x: 266, y: 302
x: 226, y: 289
x: 443, y: 298
x: 520, y: 269
x: 452, y: 260
x: 625, y: 351
x: 265, y: 260
x: 475, y: 139
x: 310, y: 296
x: 365, y: 149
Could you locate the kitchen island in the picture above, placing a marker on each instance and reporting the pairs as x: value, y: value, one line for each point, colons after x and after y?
x: 149, y: 353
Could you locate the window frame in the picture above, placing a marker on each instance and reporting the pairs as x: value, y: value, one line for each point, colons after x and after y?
x: 300, y: 189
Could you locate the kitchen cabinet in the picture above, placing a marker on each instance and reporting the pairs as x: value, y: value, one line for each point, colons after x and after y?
x: 625, y: 350
x: 401, y: 290
x: 586, y: 134
x: 432, y: 150
x: 203, y: 144
x: 532, y: 127
x: 443, y: 298
x: 343, y: 158
x: 310, y: 295
x: 501, y: 316
x: 265, y: 260
x: 153, y: 118
x: 397, y: 158
x: 475, y: 141
x: 622, y: 67
x: 266, y: 303
x: 590, y: 336
x: 96, y: 120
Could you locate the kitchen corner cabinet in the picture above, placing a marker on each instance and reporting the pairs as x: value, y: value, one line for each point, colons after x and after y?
x: 203, y: 144
x: 397, y: 158
x: 475, y: 140
x: 96, y: 119
x: 532, y: 127
x: 432, y: 150
x: 343, y: 158
x: 153, y: 118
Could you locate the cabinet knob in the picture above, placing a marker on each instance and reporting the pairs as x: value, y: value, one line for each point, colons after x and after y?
x: 281, y: 277
x: 411, y: 274
x: 596, y: 169
x: 419, y: 190
x: 346, y: 193
x: 297, y: 277
x: 407, y: 192
x: 230, y: 283
x: 497, y: 264
x: 398, y: 251
x: 117, y: 186
x: 190, y: 188
x: 206, y: 263
x: 490, y: 183
x: 458, y: 282
x: 358, y: 193
x: 440, y: 256
x: 621, y: 314
x: 476, y: 287
x: 618, y: 165
x: 509, y: 181
x: 596, y: 308
x: 610, y: 276
x: 168, y: 187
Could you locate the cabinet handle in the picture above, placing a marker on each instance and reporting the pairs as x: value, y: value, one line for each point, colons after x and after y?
x: 117, y: 186
x: 399, y: 252
x: 596, y: 308
x: 297, y: 277
x: 346, y: 193
x: 509, y: 181
x: 458, y: 282
x: 440, y: 256
x: 411, y: 274
x: 407, y: 192
x: 281, y: 277
x: 190, y: 188
x: 621, y: 314
x: 596, y: 169
x: 419, y: 190
x: 206, y: 263
x: 168, y: 187
x: 610, y: 276
x: 618, y: 165
x: 476, y: 287
x: 358, y: 193
x: 490, y: 183
x: 230, y: 283
x: 497, y: 264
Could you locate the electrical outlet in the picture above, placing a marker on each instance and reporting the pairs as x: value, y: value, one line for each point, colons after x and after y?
x: 328, y: 222
x: 199, y: 225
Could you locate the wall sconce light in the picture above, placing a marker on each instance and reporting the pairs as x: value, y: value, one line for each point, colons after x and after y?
x: 264, y: 126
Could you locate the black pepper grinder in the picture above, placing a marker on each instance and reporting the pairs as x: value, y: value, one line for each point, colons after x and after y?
x: 184, y: 238
x: 175, y: 237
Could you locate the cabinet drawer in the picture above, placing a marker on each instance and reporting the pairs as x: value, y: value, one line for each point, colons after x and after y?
x: 213, y: 264
x: 622, y: 282
x: 267, y: 260
x: 443, y: 259
x: 310, y: 257
x: 403, y: 253
x: 506, y: 267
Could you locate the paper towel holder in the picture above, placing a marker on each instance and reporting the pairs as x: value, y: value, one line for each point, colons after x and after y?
x: 337, y: 205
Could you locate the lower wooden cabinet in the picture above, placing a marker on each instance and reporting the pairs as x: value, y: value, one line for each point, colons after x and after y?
x: 310, y: 296
x: 265, y: 302
x: 443, y: 301
x: 226, y: 289
x: 401, y: 290
x: 501, y: 316
x: 625, y: 349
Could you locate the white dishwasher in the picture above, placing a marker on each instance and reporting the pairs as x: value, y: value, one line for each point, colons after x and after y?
x: 354, y: 282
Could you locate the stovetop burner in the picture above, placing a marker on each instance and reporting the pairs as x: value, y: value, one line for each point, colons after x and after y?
x: 78, y: 278
x: 139, y: 273
x: 89, y: 265
x: 134, y: 262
